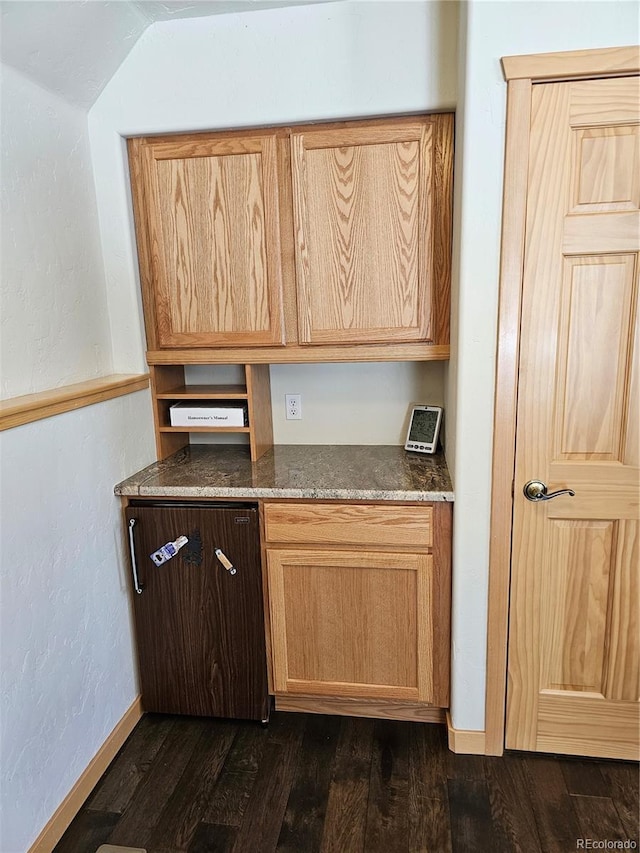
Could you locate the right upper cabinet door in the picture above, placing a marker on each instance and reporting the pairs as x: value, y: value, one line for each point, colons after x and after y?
x: 370, y: 203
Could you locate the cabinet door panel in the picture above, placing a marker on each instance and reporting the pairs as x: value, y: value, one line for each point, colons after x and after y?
x: 347, y: 623
x: 362, y: 209
x: 212, y: 216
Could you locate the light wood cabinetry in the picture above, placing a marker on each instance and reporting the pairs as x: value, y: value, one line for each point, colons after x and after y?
x: 168, y: 387
x: 359, y: 600
x: 314, y: 243
x: 364, y: 199
x: 208, y: 239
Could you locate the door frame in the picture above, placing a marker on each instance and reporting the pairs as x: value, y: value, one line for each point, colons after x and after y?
x: 521, y: 74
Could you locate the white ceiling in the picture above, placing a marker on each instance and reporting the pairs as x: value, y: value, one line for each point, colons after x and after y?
x: 73, y: 47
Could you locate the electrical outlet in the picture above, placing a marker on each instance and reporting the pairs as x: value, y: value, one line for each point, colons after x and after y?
x: 293, y: 405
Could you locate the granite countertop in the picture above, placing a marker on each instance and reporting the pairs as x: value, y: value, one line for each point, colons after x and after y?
x: 343, y: 472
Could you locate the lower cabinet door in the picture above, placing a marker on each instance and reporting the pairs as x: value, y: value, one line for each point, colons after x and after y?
x: 352, y: 623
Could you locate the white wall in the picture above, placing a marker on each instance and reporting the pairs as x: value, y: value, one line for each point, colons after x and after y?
x: 66, y: 661
x: 491, y: 30
x: 363, y: 403
x: 68, y: 671
x: 52, y: 300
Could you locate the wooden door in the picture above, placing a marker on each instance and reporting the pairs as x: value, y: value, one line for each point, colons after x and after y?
x: 199, y: 629
x: 573, y: 671
x: 363, y: 205
x: 353, y: 623
x: 209, y: 242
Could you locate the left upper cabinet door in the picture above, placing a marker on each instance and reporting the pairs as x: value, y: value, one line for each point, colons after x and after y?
x: 208, y: 233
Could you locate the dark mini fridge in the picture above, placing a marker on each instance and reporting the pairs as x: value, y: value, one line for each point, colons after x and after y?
x: 199, y: 614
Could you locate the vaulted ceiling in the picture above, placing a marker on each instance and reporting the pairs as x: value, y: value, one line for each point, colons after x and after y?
x: 73, y: 47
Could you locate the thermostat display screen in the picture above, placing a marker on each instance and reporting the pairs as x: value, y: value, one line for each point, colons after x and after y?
x: 423, y: 426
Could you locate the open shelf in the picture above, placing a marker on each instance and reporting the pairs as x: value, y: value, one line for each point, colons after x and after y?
x: 203, y: 429
x: 205, y: 392
x: 169, y: 386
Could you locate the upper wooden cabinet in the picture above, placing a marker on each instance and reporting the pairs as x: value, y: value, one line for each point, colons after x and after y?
x: 315, y: 243
x: 208, y: 239
x: 363, y: 202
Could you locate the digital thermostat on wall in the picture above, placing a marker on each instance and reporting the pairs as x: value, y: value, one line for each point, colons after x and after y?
x: 424, y: 428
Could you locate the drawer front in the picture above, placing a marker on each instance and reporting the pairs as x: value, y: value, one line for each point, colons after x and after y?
x: 349, y: 524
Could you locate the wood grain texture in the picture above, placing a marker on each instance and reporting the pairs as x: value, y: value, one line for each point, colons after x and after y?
x: 168, y: 387
x: 622, y: 674
x: 304, y: 819
x: 606, y: 177
x: 593, y: 390
x: 565, y: 555
x: 556, y: 822
x: 262, y: 820
x: 466, y: 741
x: 181, y: 818
x: 361, y: 207
x: 199, y: 629
x: 129, y: 767
x: 601, y: 103
x: 266, y: 595
x: 387, y: 808
x: 351, y: 623
x: 471, y: 821
x: 506, y: 395
x: 606, y: 62
x: 260, y: 415
x: 602, y: 232
x: 287, y: 244
x: 28, y: 408
x: 164, y: 378
x: 588, y: 725
x: 338, y: 784
x: 209, y: 239
x: 345, y: 818
x: 140, y: 179
x: 418, y: 712
x: 573, y: 631
x: 301, y: 354
x: 441, y: 598
x: 205, y: 392
x: 349, y: 524
x: 442, y: 225
x: 136, y: 824
x: 513, y: 817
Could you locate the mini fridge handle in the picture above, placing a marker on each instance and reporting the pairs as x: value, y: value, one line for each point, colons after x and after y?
x: 137, y: 586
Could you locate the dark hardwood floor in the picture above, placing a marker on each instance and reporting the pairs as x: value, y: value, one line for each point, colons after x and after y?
x: 313, y: 783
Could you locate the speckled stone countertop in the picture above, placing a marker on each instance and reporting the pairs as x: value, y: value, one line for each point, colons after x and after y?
x: 343, y: 472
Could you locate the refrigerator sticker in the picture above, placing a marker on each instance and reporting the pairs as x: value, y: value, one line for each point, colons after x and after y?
x: 166, y: 552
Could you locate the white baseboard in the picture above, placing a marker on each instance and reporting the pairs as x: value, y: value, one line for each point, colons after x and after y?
x: 72, y: 803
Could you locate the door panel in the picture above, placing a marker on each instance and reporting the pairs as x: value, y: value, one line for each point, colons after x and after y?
x: 362, y: 205
x: 200, y: 629
x: 573, y: 640
x: 213, y: 221
x: 353, y: 623
x: 596, y: 312
x: 574, y: 633
x: 606, y: 169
